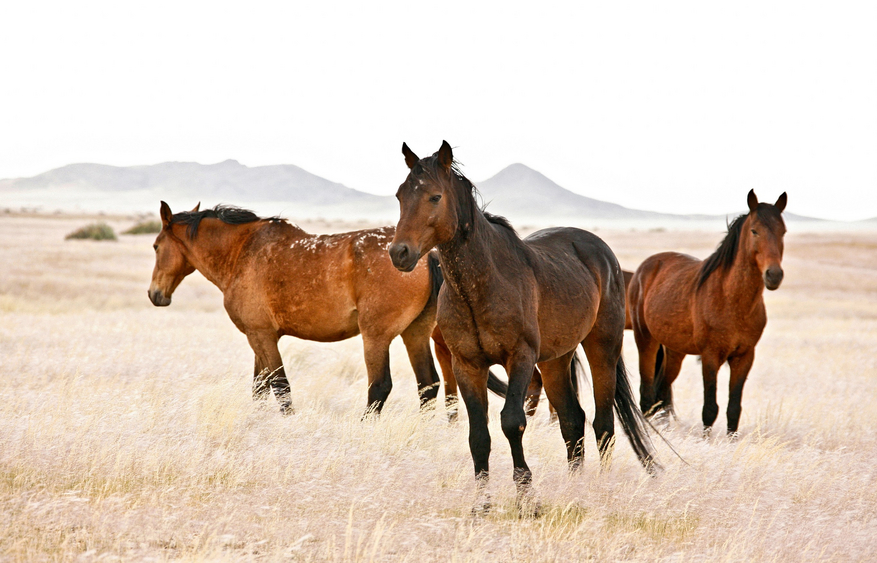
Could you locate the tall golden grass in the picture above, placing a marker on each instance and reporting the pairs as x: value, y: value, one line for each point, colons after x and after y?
x: 127, y: 432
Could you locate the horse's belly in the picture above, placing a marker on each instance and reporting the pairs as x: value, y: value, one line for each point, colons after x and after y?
x: 673, y: 332
x: 321, y: 326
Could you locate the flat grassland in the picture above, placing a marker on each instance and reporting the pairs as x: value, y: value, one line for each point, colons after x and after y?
x: 127, y: 431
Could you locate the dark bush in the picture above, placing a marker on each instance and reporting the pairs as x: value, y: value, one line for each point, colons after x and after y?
x: 95, y: 231
x: 144, y: 228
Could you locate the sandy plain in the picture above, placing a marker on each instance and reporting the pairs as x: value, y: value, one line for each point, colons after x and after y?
x: 127, y: 431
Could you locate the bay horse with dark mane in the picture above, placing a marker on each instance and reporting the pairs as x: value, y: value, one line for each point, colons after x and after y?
x: 518, y: 303
x: 277, y: 279
x: 713, y: 308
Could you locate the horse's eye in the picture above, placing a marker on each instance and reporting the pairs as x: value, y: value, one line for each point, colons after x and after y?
x: 754, y: 232
x: 436, y: 198
x: 155, y: 247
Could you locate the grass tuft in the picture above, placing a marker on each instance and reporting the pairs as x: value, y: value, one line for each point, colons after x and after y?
x: 144, y: 228
x: 94, y: 231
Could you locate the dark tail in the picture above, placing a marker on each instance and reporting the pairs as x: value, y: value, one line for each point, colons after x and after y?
x: 632, y: 420
x: 575, y: 364
x: 497, y: 385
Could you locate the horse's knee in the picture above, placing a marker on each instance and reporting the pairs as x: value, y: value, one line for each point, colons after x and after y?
x: 513, y: 423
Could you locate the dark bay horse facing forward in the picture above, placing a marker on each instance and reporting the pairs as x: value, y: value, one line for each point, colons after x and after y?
x: 518, y: 303
x: 714, y: 308
x: 278, y: 280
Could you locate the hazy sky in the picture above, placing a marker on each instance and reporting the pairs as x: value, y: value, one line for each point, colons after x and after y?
x: 666, y: 106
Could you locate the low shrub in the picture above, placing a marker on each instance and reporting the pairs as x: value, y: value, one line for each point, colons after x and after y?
x: 95, y: 231
x: 144, y: 228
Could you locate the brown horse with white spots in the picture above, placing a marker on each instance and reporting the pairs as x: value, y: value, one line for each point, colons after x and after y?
x: 278, y: 280
x: 518, y: 303
x: 713, y: 308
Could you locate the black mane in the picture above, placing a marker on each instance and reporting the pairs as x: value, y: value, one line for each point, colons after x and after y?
x: 225, y: 213
x: 726, y: 252
x: 476, y: 195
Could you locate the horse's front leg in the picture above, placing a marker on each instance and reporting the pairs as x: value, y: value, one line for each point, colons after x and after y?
x: 710, y: 364
x: 740, y: 366
x: 514, y: 419
x: 377, y: 363
x: 268, y: 373
x: 472, y: 381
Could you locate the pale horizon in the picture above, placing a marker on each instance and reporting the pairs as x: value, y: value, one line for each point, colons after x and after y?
x: 676, y: 108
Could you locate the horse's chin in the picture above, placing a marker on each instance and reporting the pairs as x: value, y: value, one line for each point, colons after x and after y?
x: 772, y: 285
x: 406, y: 267
x: 158, y: 298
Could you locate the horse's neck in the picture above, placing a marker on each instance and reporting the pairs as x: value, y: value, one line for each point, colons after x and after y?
x: 743, y: 285
x: 215, y: 249
x: 467, y: 260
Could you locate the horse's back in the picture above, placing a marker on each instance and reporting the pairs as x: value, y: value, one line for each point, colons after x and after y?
x: 576, y: 269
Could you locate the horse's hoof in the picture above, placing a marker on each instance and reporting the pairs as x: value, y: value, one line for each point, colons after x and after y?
x: 707, y: 430
x: 733, y: 436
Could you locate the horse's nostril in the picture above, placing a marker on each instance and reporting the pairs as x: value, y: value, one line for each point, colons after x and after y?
x: 399, y: 252
x: 773, y: 277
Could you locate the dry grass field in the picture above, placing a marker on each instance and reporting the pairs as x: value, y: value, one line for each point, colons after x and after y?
x: 127, y: 431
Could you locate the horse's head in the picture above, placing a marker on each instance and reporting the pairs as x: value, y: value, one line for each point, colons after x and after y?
x: 427, y: 208
x: 762, y: 235
x: 171, y: 264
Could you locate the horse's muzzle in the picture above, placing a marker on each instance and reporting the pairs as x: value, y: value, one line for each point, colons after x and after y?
x: 158, y: 299
x: 403, y: 257
x: 773, y: 276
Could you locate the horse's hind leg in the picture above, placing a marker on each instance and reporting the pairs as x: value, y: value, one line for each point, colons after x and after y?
x: 562, y: 396
x: 710, y: 364
x: 416, y: 339
x: 377, y: 363
x: 443, y: 355
x: 664, y: 390
x: 534, y: 390
x: 603, y: 353
x: 648, y: 349
x: 740, y: 366
x: 268, y: 373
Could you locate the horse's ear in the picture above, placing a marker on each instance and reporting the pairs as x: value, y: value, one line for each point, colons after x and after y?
x: 410, y: 158
x: 197, y: 207
x: 781, y: 202
x: 752, y: 200
x: 445, y: 155
x: 166, y: 214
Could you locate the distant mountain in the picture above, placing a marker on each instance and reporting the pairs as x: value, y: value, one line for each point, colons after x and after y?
x: 518, y: 192
x: 113, y: 188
